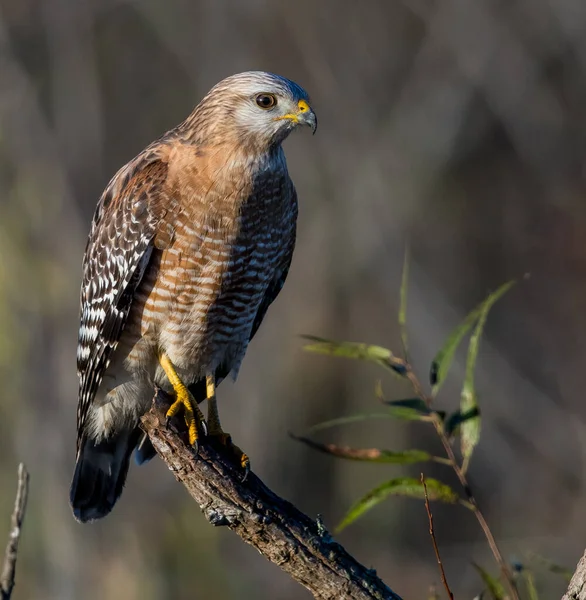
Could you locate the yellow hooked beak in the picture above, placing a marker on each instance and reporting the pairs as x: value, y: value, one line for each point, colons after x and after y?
x: 303, y: 116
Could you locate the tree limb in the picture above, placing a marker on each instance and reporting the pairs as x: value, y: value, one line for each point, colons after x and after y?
x: 577, y: 587
x: 279, y: 531
x: 9, y: 568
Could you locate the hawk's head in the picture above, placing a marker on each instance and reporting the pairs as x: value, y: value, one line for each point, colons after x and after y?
x: 257, y: 107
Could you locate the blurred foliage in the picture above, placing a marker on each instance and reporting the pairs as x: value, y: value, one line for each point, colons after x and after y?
x: 493, y: 586
x: 463, y: 424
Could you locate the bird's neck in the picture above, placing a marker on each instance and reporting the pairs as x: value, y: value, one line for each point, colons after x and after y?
x: 227, y: 167
x: 241, y: 160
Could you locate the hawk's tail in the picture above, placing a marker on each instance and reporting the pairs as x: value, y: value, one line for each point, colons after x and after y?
x: 100, y: 473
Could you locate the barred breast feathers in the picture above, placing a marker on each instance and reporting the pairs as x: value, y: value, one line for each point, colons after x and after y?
x: 170, y: 180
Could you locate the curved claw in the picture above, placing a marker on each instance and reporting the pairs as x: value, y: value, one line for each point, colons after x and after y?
x: 246, y: 468
x: 194, y: 418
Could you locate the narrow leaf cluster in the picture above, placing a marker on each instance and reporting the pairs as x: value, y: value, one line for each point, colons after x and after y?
x: 462, y: 426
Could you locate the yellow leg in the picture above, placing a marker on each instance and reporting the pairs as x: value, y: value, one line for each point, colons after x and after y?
x: 215, y: 429
x: 183, y: 399
x: 213, y: 417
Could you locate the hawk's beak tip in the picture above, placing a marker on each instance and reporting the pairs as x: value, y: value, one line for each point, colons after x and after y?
x: 306, y: 116
x: 309, y: 119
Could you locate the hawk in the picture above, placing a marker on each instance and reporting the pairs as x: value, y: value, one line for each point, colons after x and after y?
x: 190, y: 243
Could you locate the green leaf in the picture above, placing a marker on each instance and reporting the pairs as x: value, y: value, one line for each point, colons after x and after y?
x: 403, y: 304
x: 356, y: 350
x: 470, y: 429
x: 493, y: 585
x: 440, y: 365
x: 443, y: 360
x: 410, y: 409
x: 530, y: 583
x: 401, y: 457
x: 402, y: 486
x: 347, y: 349
x: 347, y: 420
x: 457, y: 418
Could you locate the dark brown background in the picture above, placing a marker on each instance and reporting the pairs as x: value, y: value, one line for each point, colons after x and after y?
x: 458, y: 124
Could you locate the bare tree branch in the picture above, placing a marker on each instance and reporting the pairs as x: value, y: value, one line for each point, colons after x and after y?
x: 434, y: 541
x: 9, y: 568
x: 284, y: 535
x: 577, y: 587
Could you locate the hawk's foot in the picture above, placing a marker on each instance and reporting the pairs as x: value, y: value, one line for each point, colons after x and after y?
x: 225, y: 439
x: 194, y: 418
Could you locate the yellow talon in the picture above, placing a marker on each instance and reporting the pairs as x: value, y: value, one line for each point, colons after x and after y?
x: 245, y: 464
x: 215, y: 429
x: 194, y: 418
x: 183, y: 400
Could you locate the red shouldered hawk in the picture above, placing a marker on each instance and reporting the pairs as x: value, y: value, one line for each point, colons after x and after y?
x: 189, y: 245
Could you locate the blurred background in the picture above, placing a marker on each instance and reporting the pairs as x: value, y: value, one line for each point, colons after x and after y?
x: 457, y: 125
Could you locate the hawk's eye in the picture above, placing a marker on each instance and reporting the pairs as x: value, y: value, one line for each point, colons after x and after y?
x: 266, y: 100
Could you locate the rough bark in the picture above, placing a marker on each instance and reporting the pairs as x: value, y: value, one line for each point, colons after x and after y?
x: 279, y: 531
x: 577, y: 587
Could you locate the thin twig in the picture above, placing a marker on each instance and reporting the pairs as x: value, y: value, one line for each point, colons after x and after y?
x: 278, y: 530
x: 476, y: 510
x: 9, y: 568
x: 434, y: 541
x: 439, y: 427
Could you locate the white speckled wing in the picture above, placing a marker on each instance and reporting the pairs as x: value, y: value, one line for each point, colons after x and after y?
x: 116, y: 256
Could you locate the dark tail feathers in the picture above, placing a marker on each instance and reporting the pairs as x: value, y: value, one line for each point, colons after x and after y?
x: 100, y: 473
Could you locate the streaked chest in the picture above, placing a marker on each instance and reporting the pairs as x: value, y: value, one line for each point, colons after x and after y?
x: 219, y: 253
